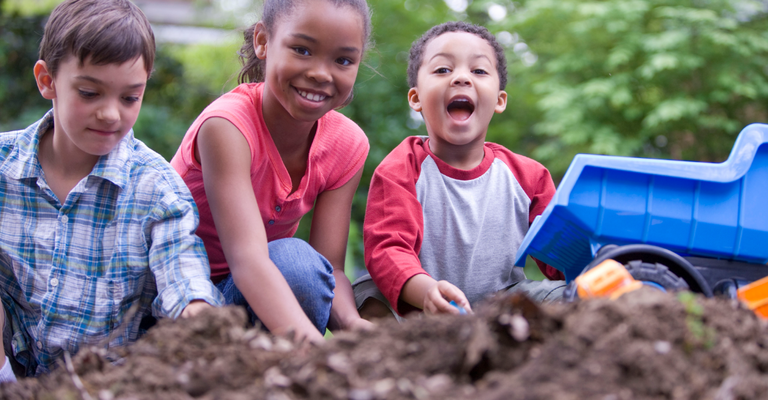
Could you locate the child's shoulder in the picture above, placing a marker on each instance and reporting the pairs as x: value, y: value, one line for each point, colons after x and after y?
x: 19, y: 146
x: 148, y: 172
x: 341, y: 126
x: 530, y: 174
x: 514, y: 160
x: 8, y: 141
x: 405, y: 158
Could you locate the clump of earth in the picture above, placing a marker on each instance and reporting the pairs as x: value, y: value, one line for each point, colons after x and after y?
x: 644, y: 345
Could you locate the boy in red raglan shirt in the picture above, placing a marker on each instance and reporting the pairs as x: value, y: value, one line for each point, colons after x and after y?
x: 446, y: 213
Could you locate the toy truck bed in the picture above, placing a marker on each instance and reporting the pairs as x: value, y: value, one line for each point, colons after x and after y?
x: 694, y: 209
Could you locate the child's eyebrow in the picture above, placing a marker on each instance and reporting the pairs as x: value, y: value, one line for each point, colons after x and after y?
x: 451, y: 56
x: 346, y: 49
x: 100, y: 82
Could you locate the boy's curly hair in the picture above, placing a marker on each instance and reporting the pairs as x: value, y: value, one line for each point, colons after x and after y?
x: 417, y: 48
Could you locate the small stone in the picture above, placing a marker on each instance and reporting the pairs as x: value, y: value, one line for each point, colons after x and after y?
x: 384, y: 386
x: 360, y: 394
x: 106, y: 395
x: 339, y: 363
x: 519, y: 328
x: 261, y: 342
x: 273, y: 377
x: 662, y: 346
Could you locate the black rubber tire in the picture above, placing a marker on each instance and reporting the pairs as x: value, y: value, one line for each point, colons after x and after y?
x: 656, y: 273
x: 641, y: 271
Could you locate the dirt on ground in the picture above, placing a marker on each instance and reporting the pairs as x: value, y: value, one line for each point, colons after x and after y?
x: 644, y: 345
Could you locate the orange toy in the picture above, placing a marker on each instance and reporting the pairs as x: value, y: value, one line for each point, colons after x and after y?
x: 755, y: 296
x: 607, y: 279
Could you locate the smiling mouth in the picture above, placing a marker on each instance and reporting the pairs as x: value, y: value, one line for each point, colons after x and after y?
x: 311, y: 96
x: 461, y: 109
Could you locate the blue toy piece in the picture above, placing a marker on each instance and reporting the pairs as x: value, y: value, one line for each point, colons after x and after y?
x: 461, y: 309
x: 706, y: 222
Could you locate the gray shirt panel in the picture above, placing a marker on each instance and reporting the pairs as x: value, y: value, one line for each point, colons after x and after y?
x: 472, y: 228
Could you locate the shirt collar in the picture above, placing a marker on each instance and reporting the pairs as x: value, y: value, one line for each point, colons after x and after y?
x: 23, y: 162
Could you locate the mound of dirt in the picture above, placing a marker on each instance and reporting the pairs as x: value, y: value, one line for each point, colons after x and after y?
x: 644, y: 345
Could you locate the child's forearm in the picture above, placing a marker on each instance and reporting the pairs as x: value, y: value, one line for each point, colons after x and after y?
x: 344, y: 313
x: 415, y: 289
x: 272, y: 299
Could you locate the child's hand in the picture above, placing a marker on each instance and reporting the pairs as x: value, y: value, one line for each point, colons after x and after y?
x: 360, y: 324
x: 438, y: 297
x: 195, y: 307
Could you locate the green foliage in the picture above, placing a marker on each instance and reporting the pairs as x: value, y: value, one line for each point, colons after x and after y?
x: 28, y: 8
x: 654, y: 78
x: 185, y: 80
x: 20, y: 102
x: 699, y: 334
x: 659, y: 78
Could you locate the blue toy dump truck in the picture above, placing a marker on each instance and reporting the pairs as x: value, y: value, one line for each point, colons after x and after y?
x: 674, y: 224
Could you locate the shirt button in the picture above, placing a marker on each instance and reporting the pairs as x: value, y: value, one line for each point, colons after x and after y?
x: 277, y: 208
x: 64, y: 219
x: 54, y: 282
x: 271, y: 222
x: 39, y: 345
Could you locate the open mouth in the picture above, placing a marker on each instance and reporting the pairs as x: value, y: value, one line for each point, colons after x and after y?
x: 460, y: 109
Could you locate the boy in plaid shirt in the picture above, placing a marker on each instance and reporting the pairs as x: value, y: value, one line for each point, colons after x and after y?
x: 93, y: 222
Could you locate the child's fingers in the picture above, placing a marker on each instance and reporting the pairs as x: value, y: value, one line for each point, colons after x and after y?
x: 435, y: 303
x: 451, y: 293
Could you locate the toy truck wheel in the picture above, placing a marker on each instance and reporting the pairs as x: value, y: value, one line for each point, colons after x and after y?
x: 651, y: 274
x: 656, y: 273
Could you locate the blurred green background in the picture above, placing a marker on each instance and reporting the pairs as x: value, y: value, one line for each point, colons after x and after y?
x: 673, y: 79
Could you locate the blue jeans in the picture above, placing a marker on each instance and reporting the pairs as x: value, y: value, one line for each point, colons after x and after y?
x: 308, y: 273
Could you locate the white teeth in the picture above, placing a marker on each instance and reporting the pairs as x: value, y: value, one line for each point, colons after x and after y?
x: 311, y: 96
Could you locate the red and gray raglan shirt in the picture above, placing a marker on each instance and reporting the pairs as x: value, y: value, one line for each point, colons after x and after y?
x: 463, y: 226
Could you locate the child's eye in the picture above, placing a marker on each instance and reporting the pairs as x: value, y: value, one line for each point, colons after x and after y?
x: 442, y: 70
x: 131, y: 99
x: 87, y: 94
x: 301, y: 51
x: 480, y: 72
x: 344, y: 61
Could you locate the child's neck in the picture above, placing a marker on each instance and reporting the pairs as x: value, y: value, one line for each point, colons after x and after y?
x: 463, y: 157
x: 288, y: 133
x: 292, y: 138
x: 62, y: 170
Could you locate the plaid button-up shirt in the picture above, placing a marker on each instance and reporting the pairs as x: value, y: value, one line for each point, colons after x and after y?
x: 70, y: 269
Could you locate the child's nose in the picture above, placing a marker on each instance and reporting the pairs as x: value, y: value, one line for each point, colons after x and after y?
x: 461, y: 79
x: 109, y: 112
x: 319, y: 72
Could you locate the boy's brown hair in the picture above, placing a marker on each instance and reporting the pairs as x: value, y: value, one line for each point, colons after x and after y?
x: 102, y: 31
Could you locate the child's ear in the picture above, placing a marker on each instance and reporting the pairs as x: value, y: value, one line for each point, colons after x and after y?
x: 413, y: 99
x: 501, y: 103
x: 44, y: 80
x: 260, y: 40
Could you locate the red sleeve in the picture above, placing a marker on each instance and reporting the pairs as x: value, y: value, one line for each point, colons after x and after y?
x: 539, y: 202
x: 537, y: 183
x: 393, y: 227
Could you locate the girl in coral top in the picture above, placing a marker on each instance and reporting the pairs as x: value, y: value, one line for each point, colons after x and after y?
x: 261, y: 156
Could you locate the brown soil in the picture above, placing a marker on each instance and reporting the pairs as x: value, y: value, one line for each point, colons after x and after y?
x: 644, y: 345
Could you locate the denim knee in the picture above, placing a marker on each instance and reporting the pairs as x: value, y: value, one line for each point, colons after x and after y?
x: 309, y: 275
